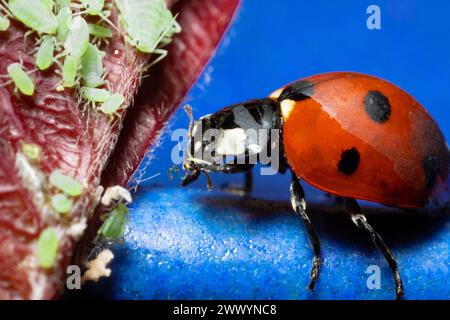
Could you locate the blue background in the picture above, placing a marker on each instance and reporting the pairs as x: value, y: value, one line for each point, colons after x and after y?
x: 275, y: 42
x: 188, y: 243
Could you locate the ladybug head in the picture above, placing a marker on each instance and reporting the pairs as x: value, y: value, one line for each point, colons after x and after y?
x: 233, y: 139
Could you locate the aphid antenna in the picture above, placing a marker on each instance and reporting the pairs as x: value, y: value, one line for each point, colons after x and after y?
x: 7, y: 83
x: 79, y: 13
x: 162, y: 54
x: 106, y: 71
x: 104, y: 18
x: 26, y: 35
x: 58, y: 63
x: 58, y: 84
x: 23, y: 66
x: 125, y: 42
x: 164, y: 33
x: 5, y: 6
x: 32, y: 71
x: 61, y: 55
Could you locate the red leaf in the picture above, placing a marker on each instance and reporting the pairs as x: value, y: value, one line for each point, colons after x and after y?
x: 80, y: 142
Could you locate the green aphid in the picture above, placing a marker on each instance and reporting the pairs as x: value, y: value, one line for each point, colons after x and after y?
x: 92, y: 69
x: 114, y: 225
x: 147, y: 23
x: 77, y: 40
x: 61, y: 203
x: 93, y: 7
x: 32, y: 151
x: 64, y: 18
x: 61, y: 4
x: 70, y: 68
x: 21, y: 79
x: 44, y: 56
x: 4, y: 23
x: 67, y: 184
x: 47, y: 248
x: 34, y: 14
x: 49, y: 4
x: 113, y: 104
x: 95, y: 95
x: 99, y: 31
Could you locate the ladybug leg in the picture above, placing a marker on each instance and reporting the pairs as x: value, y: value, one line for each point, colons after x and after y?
x: 248, y: 182
x: 360, y: 220
x: 299, y: 206
x: 191, y: 177
x: 243, y: 190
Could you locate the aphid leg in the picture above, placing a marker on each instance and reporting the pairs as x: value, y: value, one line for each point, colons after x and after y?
x: 7, y: 83
x: 125, y: 42
x: 162, y: 54
x: 164, y: 41
x: 299, y: 205
x: 4, y: 7
x: 25, y: 37
x: 58, y: 63
x: 104, y: 18
x: 176, y: 25
x: 360, y: 220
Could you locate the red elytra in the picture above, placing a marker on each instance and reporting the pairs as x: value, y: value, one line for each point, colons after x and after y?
x: 358, y: 136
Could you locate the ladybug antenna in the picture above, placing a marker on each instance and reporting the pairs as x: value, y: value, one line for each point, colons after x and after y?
x: 210, y: 183
x: 188, y: 110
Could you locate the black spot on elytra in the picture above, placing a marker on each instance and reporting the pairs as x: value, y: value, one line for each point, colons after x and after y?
x: 377, y: 106
x: 297, y: 91
x: 431, y: 169
x: 349, y: 161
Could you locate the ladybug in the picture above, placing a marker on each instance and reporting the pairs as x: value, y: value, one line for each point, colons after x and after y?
x: 352, y: 135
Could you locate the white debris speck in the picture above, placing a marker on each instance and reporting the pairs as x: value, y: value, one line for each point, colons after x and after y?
x: 76, y: 229
x: 115, y: 193
x: 97, y: 268
x: 34, y: 181
x: 98, y: 195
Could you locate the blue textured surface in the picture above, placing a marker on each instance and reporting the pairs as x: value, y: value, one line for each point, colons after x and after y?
x: 198, y: 245
x: 194, y: 244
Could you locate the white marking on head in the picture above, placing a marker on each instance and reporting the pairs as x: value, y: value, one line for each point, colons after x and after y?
x: 276, y: 94
x: 287, y: 106
x: 231, y: 142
